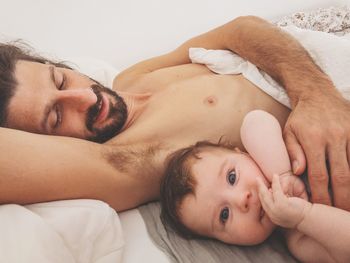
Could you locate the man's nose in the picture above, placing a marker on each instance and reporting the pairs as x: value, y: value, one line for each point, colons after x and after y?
x: 243, y: 201
x: 81, y: 99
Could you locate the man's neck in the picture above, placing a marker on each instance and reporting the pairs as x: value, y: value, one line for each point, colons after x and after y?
x: 136, y: 103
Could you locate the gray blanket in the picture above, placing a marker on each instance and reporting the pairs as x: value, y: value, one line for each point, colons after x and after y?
x: 181, y: 250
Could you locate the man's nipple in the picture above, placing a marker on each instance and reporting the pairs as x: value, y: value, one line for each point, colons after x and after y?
x: 210, y: 101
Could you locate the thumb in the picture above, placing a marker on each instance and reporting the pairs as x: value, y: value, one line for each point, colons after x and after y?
x: 295, y: 151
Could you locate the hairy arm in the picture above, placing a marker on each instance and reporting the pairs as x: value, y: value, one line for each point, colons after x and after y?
x: 251, y: 37
x: 319, y: 126
x: 38, y: 168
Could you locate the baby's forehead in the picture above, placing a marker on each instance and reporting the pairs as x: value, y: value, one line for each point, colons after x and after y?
x: 209, y: 150
x: 202, y: 160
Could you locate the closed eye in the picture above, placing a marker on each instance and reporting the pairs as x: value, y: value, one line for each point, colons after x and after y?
x: 63, y: 82
x: 58, y: 116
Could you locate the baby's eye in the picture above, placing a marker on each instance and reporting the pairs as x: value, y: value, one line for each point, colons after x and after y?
x: 231, y: 177
x: 224, y: 214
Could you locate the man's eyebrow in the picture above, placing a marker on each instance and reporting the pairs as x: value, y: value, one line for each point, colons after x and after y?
x: 48, y: 106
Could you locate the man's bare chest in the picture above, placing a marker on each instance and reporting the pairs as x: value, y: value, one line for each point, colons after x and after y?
x: 193, y: 105
x: 204, y: 107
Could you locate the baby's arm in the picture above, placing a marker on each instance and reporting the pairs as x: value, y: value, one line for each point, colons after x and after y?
x: 320, y: 233
x: 261, y: 135
x: 330, y: 227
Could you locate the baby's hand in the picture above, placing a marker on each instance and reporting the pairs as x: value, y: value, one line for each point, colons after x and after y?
x: 282, y: 210
x: 293, y: 186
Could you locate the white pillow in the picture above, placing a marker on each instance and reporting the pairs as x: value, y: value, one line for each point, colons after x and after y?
x: 94, y: 68
x: 62, y: 231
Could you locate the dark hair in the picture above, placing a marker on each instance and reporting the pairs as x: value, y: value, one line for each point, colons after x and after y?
x: 10, y: 53
x: 178, y: 182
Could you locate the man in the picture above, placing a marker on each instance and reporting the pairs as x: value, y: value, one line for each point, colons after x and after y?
x: 163, y: 104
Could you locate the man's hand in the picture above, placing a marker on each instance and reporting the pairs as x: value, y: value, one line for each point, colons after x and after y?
x: 319, y: 129
x: 282, y: 210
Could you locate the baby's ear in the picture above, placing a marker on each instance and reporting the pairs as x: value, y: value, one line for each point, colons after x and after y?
x: 237, y: 150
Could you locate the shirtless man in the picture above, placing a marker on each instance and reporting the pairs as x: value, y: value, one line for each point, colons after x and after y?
x: 171, y: 103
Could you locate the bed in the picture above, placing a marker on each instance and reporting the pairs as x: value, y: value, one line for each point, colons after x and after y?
x: 102, y: 38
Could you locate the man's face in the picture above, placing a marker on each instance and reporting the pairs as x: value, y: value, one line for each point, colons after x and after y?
x: 58, y: 101
x: 225, y: 205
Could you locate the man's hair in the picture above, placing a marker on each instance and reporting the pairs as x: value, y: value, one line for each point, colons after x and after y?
x: 178, y: 182
x: 10, y: 53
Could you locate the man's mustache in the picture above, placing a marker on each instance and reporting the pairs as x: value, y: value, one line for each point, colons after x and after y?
x: 94, y: 109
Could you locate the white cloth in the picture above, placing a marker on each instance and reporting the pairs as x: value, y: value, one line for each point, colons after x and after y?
x: 330, y: 52
x: 61, y: 231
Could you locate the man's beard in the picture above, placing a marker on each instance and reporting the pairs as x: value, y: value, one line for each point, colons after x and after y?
x: 116, y: 116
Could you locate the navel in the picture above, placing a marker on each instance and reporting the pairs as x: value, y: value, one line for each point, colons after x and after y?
x: 211, y: 100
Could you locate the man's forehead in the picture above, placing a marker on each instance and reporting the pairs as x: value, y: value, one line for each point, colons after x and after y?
x: 29, y: 70
x: 23, y: 106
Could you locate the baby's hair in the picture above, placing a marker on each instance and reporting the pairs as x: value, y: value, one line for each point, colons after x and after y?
x: 178, y: 182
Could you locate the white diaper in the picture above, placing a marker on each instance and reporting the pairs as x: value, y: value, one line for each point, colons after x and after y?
x: 330, y: 52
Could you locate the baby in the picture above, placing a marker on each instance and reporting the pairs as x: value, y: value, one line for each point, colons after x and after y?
x: 215, y: 191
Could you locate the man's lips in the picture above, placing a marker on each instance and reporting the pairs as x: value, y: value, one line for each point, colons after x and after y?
x: 103, y: 109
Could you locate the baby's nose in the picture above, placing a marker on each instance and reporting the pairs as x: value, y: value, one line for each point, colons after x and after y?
x: 243, y: 202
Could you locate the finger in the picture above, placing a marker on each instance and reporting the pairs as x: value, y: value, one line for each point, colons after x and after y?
x: 286, y: 184
x: 340, y: 175
x: 262, y: 189
x: 295, y: 151
x: 318, y: 175
x: 298, y: 187
x: 265, y: 195
x: 276, y: 187
x: 304, y: 196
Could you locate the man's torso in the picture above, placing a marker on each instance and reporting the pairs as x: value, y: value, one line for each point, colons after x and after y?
x: 189, y: 103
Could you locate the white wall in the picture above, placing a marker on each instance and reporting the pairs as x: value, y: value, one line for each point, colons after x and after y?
x: 123, y: 32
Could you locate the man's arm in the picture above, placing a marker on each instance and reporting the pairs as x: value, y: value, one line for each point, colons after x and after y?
x: 244, y: 35
x: 319, y: 126
x: 38, y: 168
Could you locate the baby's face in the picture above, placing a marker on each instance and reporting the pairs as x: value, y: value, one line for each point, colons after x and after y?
x: 226, y: 205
